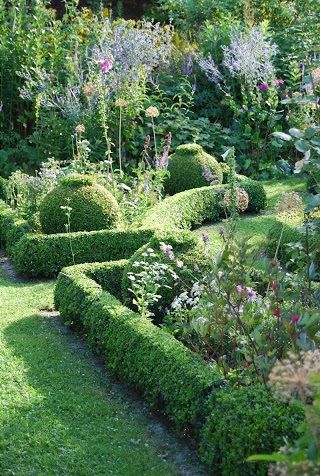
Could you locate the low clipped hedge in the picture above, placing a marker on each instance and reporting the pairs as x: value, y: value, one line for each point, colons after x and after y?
x: 256, y: 193
x: 193, y: 207
x: 45, y: 255
x: 186, y: 209
x: 230, y: 424
x: 243, y: 422
x: 169, y: 375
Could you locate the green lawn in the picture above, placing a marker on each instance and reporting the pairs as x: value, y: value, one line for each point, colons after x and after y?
x: 59, y: 413
x: 256, y: 227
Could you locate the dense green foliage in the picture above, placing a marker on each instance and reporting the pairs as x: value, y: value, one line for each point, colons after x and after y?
x: 92, y: 207
x: 193, y: 207
x: 187, y: 167
x: 244, y: 421
x: 45, y: 255
x: 170, y: 376
x: 232, y: 424
x: 256, y: 193
x: 2, y: 188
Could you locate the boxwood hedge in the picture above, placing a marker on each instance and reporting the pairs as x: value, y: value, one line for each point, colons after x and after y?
x: 230, y: 424
x: 170, y: 376
x: 45, y: 255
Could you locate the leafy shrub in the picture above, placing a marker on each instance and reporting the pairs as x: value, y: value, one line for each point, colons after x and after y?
x: 256, y: 192
x: 3, y: 193
x: 243, y: 422
x: 187, y: 247
x: 288, y: 234
x: 169, y: 375
x: 92, y: 206
x: 187, y: 167
x: 12, y: 228
x: 45, y: 255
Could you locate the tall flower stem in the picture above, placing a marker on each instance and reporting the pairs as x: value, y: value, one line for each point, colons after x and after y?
x: 120, y: 136
x: 154, y: 137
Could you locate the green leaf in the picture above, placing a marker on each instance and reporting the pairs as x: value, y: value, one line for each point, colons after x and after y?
x: 302, y: 145
x: 282, y: 136
x: 296, y: 133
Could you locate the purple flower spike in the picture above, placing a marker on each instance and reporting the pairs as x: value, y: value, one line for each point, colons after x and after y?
x: 263, y: 87
x: 279, y: 82
x: 239, y: 289
x: 106, y: 65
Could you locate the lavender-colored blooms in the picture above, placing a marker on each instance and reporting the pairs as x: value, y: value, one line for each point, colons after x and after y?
x: 209, y: 67
x: 209, y: 176
x: 279, y: 82
x: 250, y: 56
x: 106, y: 65
x: 205, y: 237
x: 136, y: 52
x: 239, y: 288
x: 167, y: 251
x: 263, y: 87
x: 187, y: 67
x: 125, y: 57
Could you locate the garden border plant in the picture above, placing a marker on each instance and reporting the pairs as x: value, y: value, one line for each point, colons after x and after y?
x: 171, y: 377
x: 37, y: 255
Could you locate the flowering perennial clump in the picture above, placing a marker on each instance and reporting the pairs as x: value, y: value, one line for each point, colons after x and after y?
x: 293, y: 376
x: 242, y: 199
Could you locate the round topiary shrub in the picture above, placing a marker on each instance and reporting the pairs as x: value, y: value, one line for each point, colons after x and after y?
x: 191, y: 167
x: 256, y: 193
x: 245, y: 422
x: 92, y: 206
x: 187, y: 248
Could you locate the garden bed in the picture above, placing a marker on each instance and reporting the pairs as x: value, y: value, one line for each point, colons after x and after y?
x: 171, y: 378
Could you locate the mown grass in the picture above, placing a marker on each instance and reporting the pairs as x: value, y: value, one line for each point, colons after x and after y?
x: 255, y: 227
x: 59, y: 414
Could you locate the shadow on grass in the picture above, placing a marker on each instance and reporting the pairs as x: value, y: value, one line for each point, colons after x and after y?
x: 71, y: 419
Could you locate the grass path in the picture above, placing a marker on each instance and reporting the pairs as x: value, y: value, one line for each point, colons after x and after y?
x: 59, y: 413
x: 256, y: 227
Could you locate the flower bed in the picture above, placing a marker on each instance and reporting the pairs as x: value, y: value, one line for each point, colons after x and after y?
x: 171, y: 378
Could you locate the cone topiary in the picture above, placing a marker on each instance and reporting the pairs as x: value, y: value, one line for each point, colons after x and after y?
x: 191, y: 167
x: 92, y: 206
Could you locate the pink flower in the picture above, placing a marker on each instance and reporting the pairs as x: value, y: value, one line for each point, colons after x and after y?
x: 263, y: 87
x: 279, y: 82
x: 276, y: 313
x: 294, y: 318
x: 106, y: 65
x: 239, y: 289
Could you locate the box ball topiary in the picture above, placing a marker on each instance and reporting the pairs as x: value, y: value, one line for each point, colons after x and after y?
x: 186, y: 168
x: 187, y: 248
x: 92, y: 206
x: 244, y: 422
